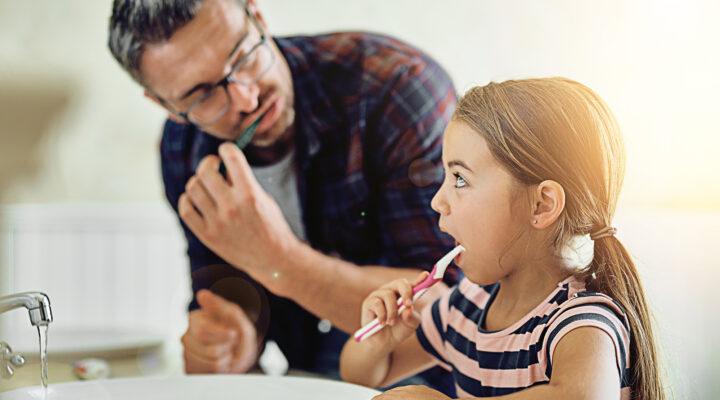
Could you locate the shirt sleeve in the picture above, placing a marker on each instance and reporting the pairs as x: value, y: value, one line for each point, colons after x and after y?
x: 433, y: 326
x: 406, y: 151
x: 596, y: 311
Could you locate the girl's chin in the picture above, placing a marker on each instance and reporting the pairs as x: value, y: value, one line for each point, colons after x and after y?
x: 482, y: 281
x: 473, y: 274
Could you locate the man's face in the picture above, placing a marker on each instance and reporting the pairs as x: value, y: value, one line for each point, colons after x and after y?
x: 202, y: 52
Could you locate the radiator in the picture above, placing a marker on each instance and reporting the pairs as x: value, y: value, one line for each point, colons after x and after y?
x: 104, y: 267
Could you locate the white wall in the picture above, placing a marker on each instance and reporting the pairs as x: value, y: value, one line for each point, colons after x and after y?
x: 75, y: 128
x: 655, y: 62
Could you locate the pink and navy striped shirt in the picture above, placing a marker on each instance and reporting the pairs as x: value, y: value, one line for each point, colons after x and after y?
x: 496, y: 363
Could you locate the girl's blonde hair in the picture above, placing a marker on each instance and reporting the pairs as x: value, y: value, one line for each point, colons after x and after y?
x: 560, y: 130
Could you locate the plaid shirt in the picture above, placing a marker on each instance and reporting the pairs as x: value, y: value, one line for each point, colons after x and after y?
x: 370, y: 112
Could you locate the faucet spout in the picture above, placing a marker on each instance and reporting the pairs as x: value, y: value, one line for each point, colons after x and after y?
x: 37, y: 304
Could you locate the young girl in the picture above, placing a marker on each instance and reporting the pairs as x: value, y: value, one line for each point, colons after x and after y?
x: 551, y: 306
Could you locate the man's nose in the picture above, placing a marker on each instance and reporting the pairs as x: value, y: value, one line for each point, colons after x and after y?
x: 243, y: 98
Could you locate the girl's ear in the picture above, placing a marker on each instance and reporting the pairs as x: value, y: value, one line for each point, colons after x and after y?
x: 548, y: 204
x: 160, y: 103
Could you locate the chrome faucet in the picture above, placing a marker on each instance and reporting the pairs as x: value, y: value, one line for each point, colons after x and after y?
x: 38, y: 306
x: 9, y: 361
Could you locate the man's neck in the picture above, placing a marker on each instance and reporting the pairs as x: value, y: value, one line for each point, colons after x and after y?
x: 264, y: 156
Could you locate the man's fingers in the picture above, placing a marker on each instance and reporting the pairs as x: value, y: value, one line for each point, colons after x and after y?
x: 189, y: 214
x: 224, y: 310
x: 199, y: 195
x: 206, y: 329
x: 237, y: 166
x: 197, y: 364
x: 220, y: 337
x: 210, y: 351
x: 208, y: 173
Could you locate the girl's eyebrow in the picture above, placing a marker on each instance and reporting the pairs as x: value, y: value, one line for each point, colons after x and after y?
x: 459, y: 163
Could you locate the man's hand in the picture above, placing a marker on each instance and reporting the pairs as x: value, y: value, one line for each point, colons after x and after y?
x: 220, y: 337
x: 236, y: 219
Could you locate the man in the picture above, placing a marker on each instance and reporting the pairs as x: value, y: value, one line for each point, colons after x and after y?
x: 329, y: 201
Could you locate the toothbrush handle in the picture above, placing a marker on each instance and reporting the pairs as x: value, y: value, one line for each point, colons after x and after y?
x: 425, y: 285
x: 373, y: 326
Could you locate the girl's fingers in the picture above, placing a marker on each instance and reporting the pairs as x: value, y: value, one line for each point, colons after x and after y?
x: 367, y: 314
x: 382, y: 303
x: 411, y: 319
x: 418, y: 279
x: 408, y: 314
x: 406, y: 292
x: 389, y: 299
x: 377, y: 307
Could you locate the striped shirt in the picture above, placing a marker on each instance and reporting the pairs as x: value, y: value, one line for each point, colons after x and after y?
x: 486, y: 364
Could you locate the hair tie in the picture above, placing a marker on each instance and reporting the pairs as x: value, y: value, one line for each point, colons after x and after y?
x: 603, y: 233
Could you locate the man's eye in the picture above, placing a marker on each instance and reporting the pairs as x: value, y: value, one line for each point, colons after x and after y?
x: 240, y: 56
x: 459, y: 181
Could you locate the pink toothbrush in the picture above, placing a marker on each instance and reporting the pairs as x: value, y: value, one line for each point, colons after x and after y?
x: 435, y: 276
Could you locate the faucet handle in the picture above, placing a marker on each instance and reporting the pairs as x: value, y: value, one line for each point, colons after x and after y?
x: 8, y: 360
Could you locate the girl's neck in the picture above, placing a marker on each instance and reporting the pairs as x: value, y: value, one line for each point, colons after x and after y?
x: 522, y: 290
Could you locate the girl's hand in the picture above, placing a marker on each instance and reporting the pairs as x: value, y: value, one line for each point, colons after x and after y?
x: 411, y: 392
x: 382, y: 304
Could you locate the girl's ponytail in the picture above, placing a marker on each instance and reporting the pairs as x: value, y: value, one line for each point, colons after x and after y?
x: 613, y: 273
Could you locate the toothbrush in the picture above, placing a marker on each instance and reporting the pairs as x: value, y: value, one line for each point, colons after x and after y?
x: 435, y: 276
x: 244, y: 138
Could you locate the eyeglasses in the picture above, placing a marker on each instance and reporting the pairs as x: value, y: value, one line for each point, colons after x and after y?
x: 247, y: 70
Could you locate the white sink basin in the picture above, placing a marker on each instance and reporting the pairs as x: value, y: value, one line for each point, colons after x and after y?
x: 196, y: 387
x: 76, y: 343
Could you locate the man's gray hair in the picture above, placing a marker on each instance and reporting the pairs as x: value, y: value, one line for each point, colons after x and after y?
x: 137, y: 23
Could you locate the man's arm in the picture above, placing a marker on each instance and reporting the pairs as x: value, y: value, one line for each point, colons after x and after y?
x: 240, y: 222
x: 221, y: 336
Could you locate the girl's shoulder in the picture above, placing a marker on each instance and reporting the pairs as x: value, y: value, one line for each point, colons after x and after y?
x: 573, y: 295
x: 578, y: 307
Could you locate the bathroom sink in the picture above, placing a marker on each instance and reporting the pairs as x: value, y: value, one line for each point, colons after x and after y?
x: 196, y: 387
x: 76, y: 343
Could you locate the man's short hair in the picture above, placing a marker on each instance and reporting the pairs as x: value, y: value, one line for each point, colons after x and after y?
x: 137, y: 23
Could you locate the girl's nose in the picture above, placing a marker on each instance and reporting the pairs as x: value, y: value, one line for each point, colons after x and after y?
x: 243, y: 98
x: 438, y: 202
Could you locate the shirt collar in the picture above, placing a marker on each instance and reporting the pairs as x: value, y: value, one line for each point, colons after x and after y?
x: 314, y: 111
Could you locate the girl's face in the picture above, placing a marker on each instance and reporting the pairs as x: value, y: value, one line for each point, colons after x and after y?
x: 481, y: 205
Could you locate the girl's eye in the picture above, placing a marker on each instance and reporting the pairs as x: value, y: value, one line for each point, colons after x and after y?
x: 459, y: 181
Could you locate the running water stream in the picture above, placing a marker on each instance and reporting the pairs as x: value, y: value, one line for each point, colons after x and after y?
x: 43, y: 335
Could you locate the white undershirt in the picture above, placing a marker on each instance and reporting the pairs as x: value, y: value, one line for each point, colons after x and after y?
x: 279, y: 180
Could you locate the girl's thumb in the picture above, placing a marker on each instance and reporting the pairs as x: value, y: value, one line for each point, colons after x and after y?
x: 423, y: 275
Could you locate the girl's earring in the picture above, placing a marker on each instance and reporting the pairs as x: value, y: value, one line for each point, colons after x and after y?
x: 535, y: 221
